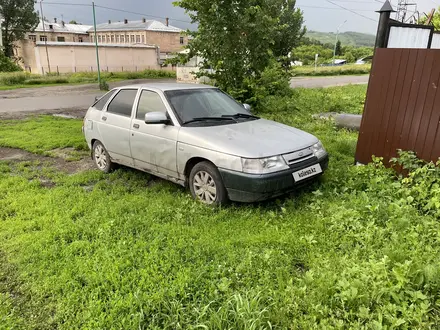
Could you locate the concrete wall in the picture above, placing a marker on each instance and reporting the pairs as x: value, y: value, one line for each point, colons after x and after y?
x: 80, y: 57
x: 168, y: 42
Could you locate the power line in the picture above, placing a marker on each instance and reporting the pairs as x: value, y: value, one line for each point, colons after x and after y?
x: 114, y: 9
x: 354, y: 1
x: 141, y: 14
x: 67, y: 4
x: 333, y: 8
x: 352, y: 11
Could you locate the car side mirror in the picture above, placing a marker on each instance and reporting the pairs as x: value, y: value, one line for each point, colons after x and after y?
x: 155, y: 118
x: 247, y: 107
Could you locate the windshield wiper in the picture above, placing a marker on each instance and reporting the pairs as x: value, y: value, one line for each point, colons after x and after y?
x: 194, y: 120
x: 241, y: 115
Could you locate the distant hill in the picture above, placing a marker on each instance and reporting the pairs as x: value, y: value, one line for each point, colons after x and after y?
x: 347, y: 38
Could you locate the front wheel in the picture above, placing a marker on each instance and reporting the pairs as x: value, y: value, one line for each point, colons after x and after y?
x: 102, y: 158
x: 206, y: 184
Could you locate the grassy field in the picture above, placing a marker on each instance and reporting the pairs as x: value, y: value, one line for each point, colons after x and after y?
x: 22, y: 80
x: 126, y: 251
x: 351, y: 69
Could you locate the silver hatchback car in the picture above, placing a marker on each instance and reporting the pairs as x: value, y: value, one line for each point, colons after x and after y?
x: 201, y: 138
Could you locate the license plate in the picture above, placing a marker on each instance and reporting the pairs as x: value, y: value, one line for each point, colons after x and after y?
x: 307, y: 172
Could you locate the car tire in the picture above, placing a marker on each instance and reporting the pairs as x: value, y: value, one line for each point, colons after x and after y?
x: 102, y: 158
x: 206, y: 184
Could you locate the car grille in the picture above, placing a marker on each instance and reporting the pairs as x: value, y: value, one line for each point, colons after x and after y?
x: 300, y: 159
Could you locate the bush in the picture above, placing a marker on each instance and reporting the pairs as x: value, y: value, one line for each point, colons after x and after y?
x: 421, y: 187
x: 331, y: 70
x: 7, y: 65
x: 274, y: 81
x: 22, y: 78
x: 103, y: 85
x: 10, y: 79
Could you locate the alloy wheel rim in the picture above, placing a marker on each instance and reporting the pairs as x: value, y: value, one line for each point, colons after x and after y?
x: 100, y: 157
x: 205, y: 187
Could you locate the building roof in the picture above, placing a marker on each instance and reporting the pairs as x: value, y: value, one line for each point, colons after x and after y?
x: 143, y: 25
x: 62, y: 28
x: 91, y: 44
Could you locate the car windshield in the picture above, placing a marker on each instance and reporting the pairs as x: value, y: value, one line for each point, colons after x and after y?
x: 197, y: 105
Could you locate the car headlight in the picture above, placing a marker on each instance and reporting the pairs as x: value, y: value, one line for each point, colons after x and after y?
x: 319, y: 150
x: 263, y: 165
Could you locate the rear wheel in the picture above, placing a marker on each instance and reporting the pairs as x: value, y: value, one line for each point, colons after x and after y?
x: 206, y: 184
x: 102, y: 158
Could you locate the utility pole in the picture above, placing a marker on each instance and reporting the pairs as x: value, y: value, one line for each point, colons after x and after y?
x: 404, y: 12
x: 336, y: 42
x: 96, y: 45
x: 44, y: 31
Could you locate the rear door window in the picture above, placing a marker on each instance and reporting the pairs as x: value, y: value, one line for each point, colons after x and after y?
x: 99, y: 105
x: 122, y: 103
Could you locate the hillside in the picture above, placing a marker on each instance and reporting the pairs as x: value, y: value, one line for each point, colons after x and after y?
x: 347, y: 38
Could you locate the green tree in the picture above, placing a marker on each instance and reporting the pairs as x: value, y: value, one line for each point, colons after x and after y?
x: 306, y: 53
x: 19, y: 17
x: 349, y: 57
x: 73, y: 22
x: 357, y: 52
x: 239, y: 39
x: 338, y: 49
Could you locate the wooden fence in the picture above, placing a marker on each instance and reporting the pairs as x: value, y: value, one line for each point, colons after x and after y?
x: 402, y: 109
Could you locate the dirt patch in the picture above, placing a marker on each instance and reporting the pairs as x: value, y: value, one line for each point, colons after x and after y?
x: 85, y: 163
x: 66, y: 113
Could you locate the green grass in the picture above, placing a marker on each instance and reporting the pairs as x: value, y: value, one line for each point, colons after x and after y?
x: 22, y: 80
x: 124, y: 251
x: 42, y: 134
x: 351, y: 69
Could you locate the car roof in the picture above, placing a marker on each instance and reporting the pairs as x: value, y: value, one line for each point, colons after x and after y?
x: 168, y: 86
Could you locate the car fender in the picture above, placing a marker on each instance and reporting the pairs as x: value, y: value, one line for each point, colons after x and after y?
x: 186, y: 152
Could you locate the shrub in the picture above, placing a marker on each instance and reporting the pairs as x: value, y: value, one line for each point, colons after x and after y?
x: 421, y: 187
x: 103, y: 85
x: 7, y: 65
x: 331, y: 70
x: 10, y: 79
x: 274, y: 81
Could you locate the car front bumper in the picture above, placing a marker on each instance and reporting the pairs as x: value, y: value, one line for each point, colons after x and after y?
x: 249, y: 188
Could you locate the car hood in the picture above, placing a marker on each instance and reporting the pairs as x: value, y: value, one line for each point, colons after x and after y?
x: 251, y: 139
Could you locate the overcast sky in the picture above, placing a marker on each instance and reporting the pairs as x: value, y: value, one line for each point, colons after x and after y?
x: 320, y: 15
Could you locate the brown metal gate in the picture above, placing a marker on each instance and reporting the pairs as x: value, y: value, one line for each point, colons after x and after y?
x: 402, y: 109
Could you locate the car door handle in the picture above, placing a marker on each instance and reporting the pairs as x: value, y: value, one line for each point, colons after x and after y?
x: 136, y: 126
x: 104, y: 118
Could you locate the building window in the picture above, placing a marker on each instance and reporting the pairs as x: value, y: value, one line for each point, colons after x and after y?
x: 104, y: 39
x: 61, y: 39
x: 33, y: 37
x: 117, y: 39
x: 113, y: 38
x: 80, y: 39
x: 182, y: 40
x: 99, y: 39
x: 132, y: 38
x: 43, y: 38
x: 122, y: 39
x: 143, y: 39
x: 138, y: 39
